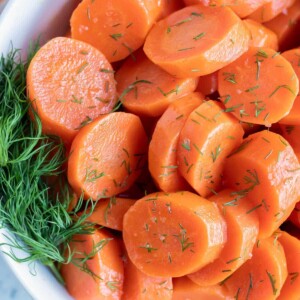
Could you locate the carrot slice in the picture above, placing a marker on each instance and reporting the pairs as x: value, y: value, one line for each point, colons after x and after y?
x: 265, y: 168
x: 163, y: 146
x: 197, y: 41
x: 96, y: 270
x: 186, y: 289
x: 261, y: 36
x: 208, y: 84
x: 173, y: 234
x: 170, y: 6
x: 251, y: 94
x: 70, y: 83
x: 291, y: 133
x: 115, y: 27
x: 262, y: 276
x: 107, y: 155
x: 146, y: 89
x: 207, y: 137
x: 242, y: 231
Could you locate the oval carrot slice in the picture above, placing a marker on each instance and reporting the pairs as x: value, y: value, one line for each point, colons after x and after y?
x: 107, y: 155
x: 251, y: 94
x: 266, y: 169
x: 242, y: 231
x: 115, y: 27
x: 171, y: 235
x: 96, y: 270
x: 162, y: 156
x: 208, y: 84
x: 146, y: 89
x: 70, y: 83
x: 291, y: 287
x: 197, y: 41
x: 207, y: 137
x: 262, y: 276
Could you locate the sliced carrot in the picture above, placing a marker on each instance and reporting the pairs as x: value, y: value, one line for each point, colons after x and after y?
x: 162, y: 155
x: 261, y: 36
x: 107, y: 155
x: 295, y: 215
x: 262, y: 276
x: 115, y: 27
x: 186, y: 289
x: 96, y: 270
x: 171, y: 235
x: 146, y: 89
x: 242, y: 231
x: 197, y: 41
x: 207, y: 137
x: 292, y: 133
x: 291, y: 246
x: 170, y: 6
x: 265, y: 168
x: 70, y: 83
x: 208, y: 84
x: 251, y: 94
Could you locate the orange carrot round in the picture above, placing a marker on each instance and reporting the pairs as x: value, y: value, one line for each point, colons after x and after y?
x: 107, y: 155
x: 70, y: 83
x: 251, y: 94
x: 171, y: 235
x: 162, y: 156
x: 197, y: 41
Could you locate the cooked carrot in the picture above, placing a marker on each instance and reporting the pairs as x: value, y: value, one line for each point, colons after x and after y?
x: 171, y: 235
x: 146, y: 89
x: 208, y: 84
x: 110, y: 212
x: 291, y: 287
x: 262, y: 276
x: 162, y: 156
x: 291, y: 133
x: 266, y: 169
x: 96, y: 270
x: 197, y: 41
x: 185, y: 289
x: 287, y: 27
x: 261, y: 36
x: 70, y: 83
x: 242, y: 231
x: 251, y: 94
x: 295, y: 215
x: 207, y: 137
x: 293, y: 118
x: 107, y: 155
x: 170, y: 6
x: 115, y: 27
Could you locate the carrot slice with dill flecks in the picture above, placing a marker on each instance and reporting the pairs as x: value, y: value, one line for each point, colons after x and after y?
x: 262, y: 276
x: 197, y: 40
x: 115, y: 27
x: 107, y: 155
x: 265, y: 168
x: 171, y: 235
x: 242, y: 231
x: 146, y: 89
x: 207, y: 137
x: 162, y: 155
x: 70, y: 83
x: 255, y: 96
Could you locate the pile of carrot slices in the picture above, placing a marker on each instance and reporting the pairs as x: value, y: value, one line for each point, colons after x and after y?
x: 181, y: 121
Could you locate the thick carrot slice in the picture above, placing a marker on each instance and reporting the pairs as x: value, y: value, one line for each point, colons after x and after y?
x: 115, y: 27
x: 170, y: 6
x: 70, y: 83
x: 96, y: 270
x: 171, y: 235
x: 146, y: 89
x: 242, y: 231
x: 110, y: 212
x: 207, y: 137
x: 262, y: 276
x: 107, y: 155
x: 265, y: 168
x: 261, y: 36
x: 291, y: 246
x: 197, y: 41
x: 186, y: 289
x: 162, y: 155
x: 251, y: 94
x: 208, y: 84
